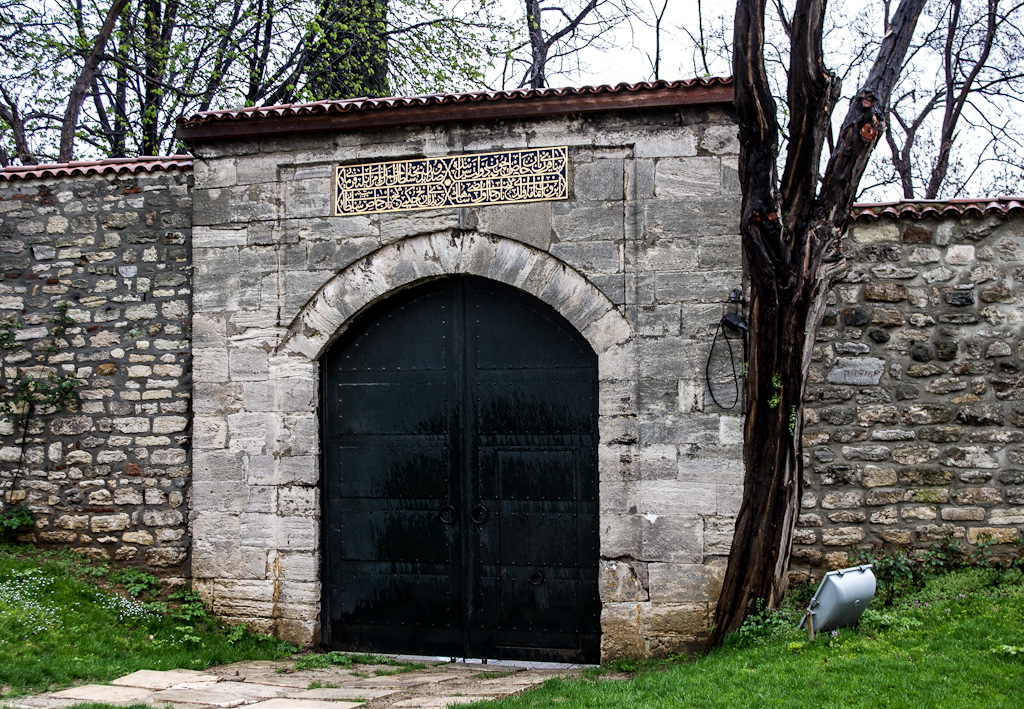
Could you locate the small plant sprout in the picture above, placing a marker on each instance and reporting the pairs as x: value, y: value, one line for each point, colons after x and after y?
x: 776, y: 397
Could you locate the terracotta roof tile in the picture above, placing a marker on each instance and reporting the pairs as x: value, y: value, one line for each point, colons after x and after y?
x: 98, y: 167
x: 919, y: 209
x: 438, y: 108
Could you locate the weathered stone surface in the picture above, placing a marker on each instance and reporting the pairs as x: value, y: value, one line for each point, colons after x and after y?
x: 859, y: 371
x: 980, y: 415
x: 969, y: 457
x: 109, y: 523
x: 914, y: 454
x: 978, y: 496
x: 962, y: 514
x: 842, y: 500
x: 878, y: 476
x: 997, y: 535
x: 842, y: 536
x: 885, y: 292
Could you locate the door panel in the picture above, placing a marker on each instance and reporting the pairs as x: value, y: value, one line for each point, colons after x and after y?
x: 460, y: 474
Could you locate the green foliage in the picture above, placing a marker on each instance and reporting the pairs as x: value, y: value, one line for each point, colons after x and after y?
x: 896, y: 622
x: 8, y: 326
x: 135, y: 582
x: 1009, y: 650
x: 57, y: 627
x: 905, y: 571
x: 29, y: 392
x: 895, y: 573
x: 765, y: 626
x: 13, y: 520
x: 236, y: 633
x: 210, y: 54
x: 776, y: 397
x: 792, y: 420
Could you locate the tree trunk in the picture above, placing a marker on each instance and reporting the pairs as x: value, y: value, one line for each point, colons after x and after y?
x: 16, y: 121
x: 74, y: 105
x: 538, y: 47
x: 791, y: 232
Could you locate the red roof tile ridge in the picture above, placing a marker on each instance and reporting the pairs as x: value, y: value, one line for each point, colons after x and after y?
x: 921, y: 208
x: 364, y: 103
x: 142, y: 163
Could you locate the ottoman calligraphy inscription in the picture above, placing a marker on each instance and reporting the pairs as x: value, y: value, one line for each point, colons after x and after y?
x: 506, y: 177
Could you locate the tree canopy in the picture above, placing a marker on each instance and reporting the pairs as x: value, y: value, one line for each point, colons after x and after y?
x: 111, y: 78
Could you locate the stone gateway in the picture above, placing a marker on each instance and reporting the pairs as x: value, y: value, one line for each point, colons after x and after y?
x: 456, y: 430
x: 449, y: 374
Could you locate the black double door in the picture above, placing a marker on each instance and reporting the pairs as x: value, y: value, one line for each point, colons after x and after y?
x: 460, y: 478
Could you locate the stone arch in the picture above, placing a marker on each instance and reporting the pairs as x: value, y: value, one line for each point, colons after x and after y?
x: 410, y: 261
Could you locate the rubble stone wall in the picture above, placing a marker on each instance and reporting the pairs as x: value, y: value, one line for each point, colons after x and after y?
x: 915, y: 417
x: 110, y: 475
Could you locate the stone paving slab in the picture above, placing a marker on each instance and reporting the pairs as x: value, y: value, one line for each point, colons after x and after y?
x: 293, y: 703
x: 406, y: 679
x: 351, y: 693
x: 277, y: 685
x: 39, y: 702
x: 222, y: 694
x: 109, y: 694
x: 157, y: 679
x: 278, y: 679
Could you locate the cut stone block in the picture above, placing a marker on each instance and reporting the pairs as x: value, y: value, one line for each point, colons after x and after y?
x: 157, y: 679
x: 107, y: 694
x: 218, y: 694
x: 292, y: 703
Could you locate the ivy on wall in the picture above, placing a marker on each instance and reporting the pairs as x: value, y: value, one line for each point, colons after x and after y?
x: 31, y: 391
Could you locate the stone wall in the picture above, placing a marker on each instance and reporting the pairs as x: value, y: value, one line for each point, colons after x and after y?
x: 110, y: 476
x: 641, y: 259
x: 915, y: 418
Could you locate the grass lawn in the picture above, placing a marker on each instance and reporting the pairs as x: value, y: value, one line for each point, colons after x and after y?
x: 956, y: 643
x: 58, y: 627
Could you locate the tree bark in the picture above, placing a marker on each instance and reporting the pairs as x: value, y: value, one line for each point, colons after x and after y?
x: 74, y: 105
x: 538, y: 47
x: 16, y: 121
x: 158, y: 27
x: 956, y: 99
x: 791, y: 231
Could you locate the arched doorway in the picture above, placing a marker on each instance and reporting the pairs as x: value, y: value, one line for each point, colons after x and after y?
x: 460, y: 478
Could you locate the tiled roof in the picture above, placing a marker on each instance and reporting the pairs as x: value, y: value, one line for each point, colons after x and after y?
x: 98, y: 167
x: 913, y: 209
x: 446, y: 108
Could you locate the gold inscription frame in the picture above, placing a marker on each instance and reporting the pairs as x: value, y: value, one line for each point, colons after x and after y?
x: 472, y: 179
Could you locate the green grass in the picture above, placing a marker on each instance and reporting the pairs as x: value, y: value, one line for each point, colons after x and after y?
x: 955, y: 643
x: 58, y: 626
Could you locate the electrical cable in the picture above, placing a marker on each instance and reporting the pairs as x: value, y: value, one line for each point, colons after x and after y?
x: 732, y: 360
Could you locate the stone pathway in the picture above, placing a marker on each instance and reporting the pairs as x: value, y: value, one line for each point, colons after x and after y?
x: 277, y: 685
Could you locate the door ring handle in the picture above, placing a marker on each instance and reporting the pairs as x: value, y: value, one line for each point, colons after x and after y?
x: 446, y: 514
x: 479, y: 514
x: 537, y: 577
